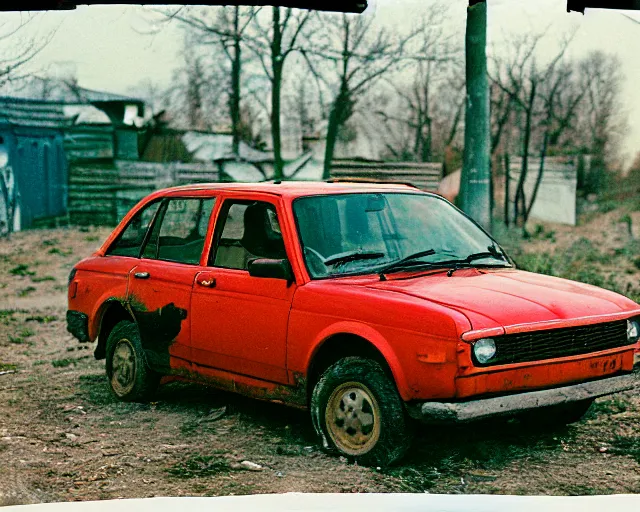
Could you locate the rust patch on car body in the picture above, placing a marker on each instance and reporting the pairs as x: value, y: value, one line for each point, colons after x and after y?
x: 158, y: 331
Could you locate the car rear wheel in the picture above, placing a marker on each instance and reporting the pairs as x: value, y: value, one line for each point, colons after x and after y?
x: 130, y: 377
x: 358, y: 413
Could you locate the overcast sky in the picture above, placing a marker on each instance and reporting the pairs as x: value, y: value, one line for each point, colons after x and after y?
x: 105, y: 46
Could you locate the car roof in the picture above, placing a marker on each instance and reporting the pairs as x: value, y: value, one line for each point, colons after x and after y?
x: 293, y: 189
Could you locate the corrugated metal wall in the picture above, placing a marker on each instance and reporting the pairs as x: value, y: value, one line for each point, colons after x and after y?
x: 425, y: 176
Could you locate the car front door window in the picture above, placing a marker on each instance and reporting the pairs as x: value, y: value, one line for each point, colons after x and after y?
x: 132, y: 238
x: 180, y: 235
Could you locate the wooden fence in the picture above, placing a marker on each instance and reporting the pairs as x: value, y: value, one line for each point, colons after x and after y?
x: 425, y: 176
x: 102, y: 189
x: 101, y: 193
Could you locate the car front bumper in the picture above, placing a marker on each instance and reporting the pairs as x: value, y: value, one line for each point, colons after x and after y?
x: 471, y: 410
x: 78, y: 325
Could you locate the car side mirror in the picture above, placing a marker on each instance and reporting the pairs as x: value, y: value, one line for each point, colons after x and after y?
x: 270, y: 268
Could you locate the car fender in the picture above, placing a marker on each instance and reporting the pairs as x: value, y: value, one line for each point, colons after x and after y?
x: 369, y: 334
x: 98, y: 314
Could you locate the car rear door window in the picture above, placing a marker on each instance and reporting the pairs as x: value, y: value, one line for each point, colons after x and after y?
x: 180, y: 234
x: 250, y: 230
x: 132, y: 238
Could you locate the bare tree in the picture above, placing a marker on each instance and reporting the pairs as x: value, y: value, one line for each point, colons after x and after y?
x: 519, y: 79
x: 304, y: 102
x: 272, y: 41
x: 224, y: 27
x: 432, y: 105
x: 358, y: 55
x: 601, y: 79
x: 561, y: 97
x: 425, y: 123
x: 17, y: 50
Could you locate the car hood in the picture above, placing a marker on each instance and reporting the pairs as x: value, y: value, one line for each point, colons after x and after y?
x: 509, y: 297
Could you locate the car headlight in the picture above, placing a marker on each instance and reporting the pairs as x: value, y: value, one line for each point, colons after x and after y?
x: 484, y: 349
x: 633, y: 331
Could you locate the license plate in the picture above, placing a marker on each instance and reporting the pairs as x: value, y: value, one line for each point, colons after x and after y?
x: 607, y: 365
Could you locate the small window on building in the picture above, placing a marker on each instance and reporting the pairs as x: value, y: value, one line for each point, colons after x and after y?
x: 130, y: 241
x: 180, y: 235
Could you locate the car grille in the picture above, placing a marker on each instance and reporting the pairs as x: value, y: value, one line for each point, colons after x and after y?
x: 553, y: 343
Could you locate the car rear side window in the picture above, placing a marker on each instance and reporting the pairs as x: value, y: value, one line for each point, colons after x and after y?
x: 131, y: 239
x: 250, y: 230
x: 180, y: 234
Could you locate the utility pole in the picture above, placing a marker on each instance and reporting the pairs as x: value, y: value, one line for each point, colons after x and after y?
x: 475, y: 182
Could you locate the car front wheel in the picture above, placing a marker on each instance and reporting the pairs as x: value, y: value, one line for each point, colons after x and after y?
x: 129, y: 375
x: 357, y: 412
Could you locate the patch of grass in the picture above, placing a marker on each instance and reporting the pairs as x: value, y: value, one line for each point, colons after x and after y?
x: 613, y: 406
x: 92, y: 238
x: 199, y: 466
x: 490, y: 447
x: 41, y: 279
x: 94, y: 388
x: 627, y: 445
x: 27, y: 333
x: 582, y: 262
x: 56, y: 250
x: 21, y: 270
x: 50, y: 242
x: 42, y: 319
x: 63, y: 363
x: 39, y: 363
x: 539, y: 232
x: 607, y: 206
x: 7, y: 367
x: 23, y: 292
x: 16, y: 340
x: 6, y: 316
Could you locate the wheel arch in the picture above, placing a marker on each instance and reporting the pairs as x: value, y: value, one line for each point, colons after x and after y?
x: 346, y: 339
x: 111, y: 312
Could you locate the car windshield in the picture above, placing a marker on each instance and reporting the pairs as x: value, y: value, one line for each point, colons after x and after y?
x: 350, y: 234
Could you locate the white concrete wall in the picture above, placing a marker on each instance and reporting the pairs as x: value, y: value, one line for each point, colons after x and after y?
x: 556, y: 199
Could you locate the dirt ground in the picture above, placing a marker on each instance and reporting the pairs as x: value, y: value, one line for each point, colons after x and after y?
x: 63, y: 437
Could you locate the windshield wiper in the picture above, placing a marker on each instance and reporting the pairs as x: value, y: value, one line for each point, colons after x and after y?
x: 467, y: 262
x: 353, y: 256
x: 406, y: 262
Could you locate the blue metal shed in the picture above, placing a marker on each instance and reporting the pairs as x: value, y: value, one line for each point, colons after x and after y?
x: 31, y: 135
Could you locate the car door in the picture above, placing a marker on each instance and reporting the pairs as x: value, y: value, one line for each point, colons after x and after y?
x: 159, y: 291
x: 239, y: 322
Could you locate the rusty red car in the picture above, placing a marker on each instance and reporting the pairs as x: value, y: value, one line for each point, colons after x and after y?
x: 371, y: 305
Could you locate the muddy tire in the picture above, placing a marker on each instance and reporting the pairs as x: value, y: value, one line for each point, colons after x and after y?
x: 130, y: 378
x: 357, y: 412
x: 557, y: 415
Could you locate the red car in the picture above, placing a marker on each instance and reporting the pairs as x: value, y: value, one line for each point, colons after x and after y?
x: 372, y: 305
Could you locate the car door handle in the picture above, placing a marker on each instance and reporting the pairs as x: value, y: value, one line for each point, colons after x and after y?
x: 141, y: 275
x: 209, y: 283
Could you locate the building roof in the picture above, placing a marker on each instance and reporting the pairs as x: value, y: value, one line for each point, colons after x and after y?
x: 211, y: 147
x: 63, y: 91
x: 33, y: 113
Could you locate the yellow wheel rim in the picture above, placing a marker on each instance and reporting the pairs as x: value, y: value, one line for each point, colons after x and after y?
x: 123, y: 368
x: 353, y: 418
